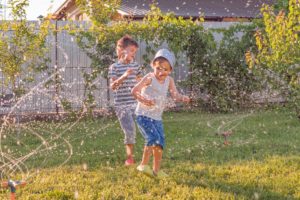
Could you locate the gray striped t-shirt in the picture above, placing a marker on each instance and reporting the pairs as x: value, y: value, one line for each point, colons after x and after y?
x: 122, y: 95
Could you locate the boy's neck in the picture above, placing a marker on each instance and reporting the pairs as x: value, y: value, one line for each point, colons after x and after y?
x: 124, y: 62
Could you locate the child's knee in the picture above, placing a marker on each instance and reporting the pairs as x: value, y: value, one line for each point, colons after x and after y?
x: 155, y: 143
x: 129, y: 139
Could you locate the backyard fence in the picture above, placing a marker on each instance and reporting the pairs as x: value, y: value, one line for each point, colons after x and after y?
x: 68, y: 63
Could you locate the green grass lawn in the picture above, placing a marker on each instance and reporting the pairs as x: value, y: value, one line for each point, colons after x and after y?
x: 84, y: 159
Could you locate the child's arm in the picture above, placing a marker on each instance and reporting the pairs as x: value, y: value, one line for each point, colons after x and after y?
x: 136, y: 91
x: 175, y: 94
x: 116, y: 82
x: 138, y: 78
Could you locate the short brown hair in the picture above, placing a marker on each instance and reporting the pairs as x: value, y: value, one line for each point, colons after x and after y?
x: 126, y: 41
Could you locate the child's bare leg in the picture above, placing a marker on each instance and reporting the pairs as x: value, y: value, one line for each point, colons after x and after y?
x: 146, y: 155
x: 157, y: 157
x: 129, y: 151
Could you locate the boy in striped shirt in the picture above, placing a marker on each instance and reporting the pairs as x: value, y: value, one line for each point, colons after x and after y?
x: 123, y: 75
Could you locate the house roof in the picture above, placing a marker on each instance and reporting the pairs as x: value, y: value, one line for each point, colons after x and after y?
x: 195, y: 8
x: 60, y: 11
x: 209, y: 9
x: 65, y: 4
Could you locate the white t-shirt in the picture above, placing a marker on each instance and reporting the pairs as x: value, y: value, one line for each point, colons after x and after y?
x: 155, y: 91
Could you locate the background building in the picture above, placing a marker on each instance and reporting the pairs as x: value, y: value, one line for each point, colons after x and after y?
x: 211, y: 10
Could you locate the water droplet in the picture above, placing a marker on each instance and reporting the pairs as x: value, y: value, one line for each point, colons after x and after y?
x: 84, y: 166
x: 76, y: 194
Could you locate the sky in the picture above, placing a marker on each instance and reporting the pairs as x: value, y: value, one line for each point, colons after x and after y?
x: 38, y: 7
x: 41, y: 7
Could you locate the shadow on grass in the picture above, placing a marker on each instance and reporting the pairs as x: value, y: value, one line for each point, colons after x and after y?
x: 204, y: 180
x: 218, y: 153
x: 276, y: 177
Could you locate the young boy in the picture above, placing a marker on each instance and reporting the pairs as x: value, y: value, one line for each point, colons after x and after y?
x: 151, y: 93
x: 123, y: 75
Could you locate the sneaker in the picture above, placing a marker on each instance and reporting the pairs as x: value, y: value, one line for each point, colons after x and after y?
x: 129, y: 162
x: 161, y: 174
x: 145, y: 169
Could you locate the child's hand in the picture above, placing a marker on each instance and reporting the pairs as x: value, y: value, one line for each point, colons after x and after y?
x: 186, y: 99
x: 138, y: 78
x: 123, y: 56
x: 148, y: 102
x: 128, y: 72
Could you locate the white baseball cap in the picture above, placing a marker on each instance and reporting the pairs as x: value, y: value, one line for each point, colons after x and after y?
x: 165, y: 53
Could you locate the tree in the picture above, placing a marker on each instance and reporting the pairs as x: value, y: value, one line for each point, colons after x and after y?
x: 282, y: 5
x: 278, y: 47
x: 22, y: 47
x: 100, y: 11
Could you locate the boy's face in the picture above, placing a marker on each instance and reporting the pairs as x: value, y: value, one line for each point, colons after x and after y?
x: 127, y: 55
x: 162, y: 69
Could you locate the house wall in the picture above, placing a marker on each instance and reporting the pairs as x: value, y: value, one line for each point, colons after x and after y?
x: 75, y: 14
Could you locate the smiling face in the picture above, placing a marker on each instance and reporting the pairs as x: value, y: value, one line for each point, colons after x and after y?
x: 162, y: 68
x: 126, y: 49
x: 127, y: 55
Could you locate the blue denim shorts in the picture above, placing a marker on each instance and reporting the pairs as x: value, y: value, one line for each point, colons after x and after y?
x: 152, y: 131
